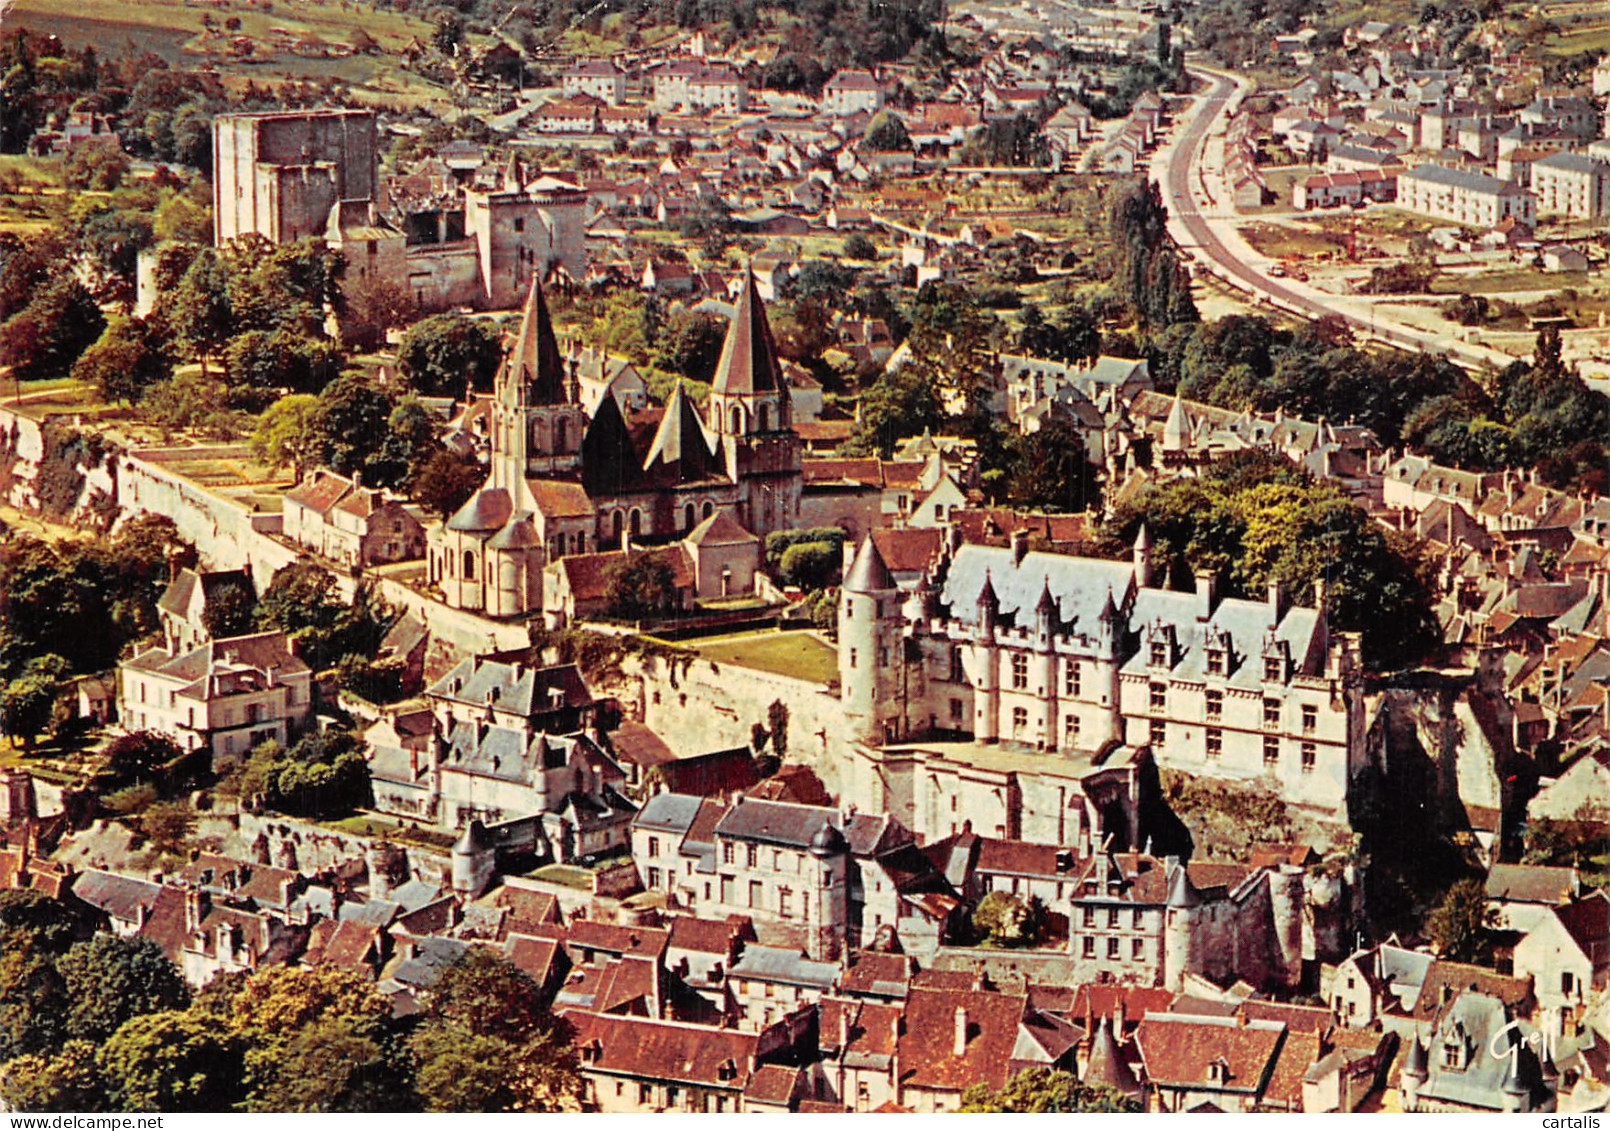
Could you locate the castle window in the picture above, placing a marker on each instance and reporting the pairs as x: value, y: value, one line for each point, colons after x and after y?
x: 1215, y: 704
x: 636, y: 522
x: 1020, y: 671
x: 1112, y: 918
x: 1215, y: 661
x: 955, y: 710
x: 1271, y: 713
x: 616, y: 523
x: 561, y: 435
x: 1073, y: 730
x: 1310, y: 718
x: 688, y: 513
x: 1159, y: 697
x: 737, y: 420
x: 1113, y: 947
x: 469, y: 565
x: 1271, y: 669
x: 1089, y: 947
x: 1215, y: 743
x: 957, y: 672
x: 1159, y: 654
x: 1090, y: 916
x: 1309, y: 756
x: 1271, y: 750
x: 852, y: 657
x: 1070, y: 680
x: 1158, y: 734
x: 1020, y: 719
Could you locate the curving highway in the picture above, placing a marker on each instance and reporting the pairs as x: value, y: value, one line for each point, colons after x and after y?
x: 1192, y: 229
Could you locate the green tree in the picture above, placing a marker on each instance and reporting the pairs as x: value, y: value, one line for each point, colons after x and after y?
x: 201, y: 314
x: 370, y: 306
x: 1041, y: 1091
x: 99, y: 168
x: 47, y: 336
x: 126, y: 360
x: 354, y: 417
x: 443, y: 482
x: 315, y: 1039
x: 27, y: 705
x: 1006, y: 920
x: 326, y: 773
x: 231, y: 606
x: 167, y: 826
x: 886, y: 132
x: 639, y: 587
x: 1459, y: 924
x: 109, y: 980
x: 487, y: 1044
x: 291, y: 433
x: 777, y: 727
x: 66, y: 1082
x: 810, y: 565
x: 279, y: 359
x: 175, y: 1060
x: 858, y: 246
x: 442, y: 354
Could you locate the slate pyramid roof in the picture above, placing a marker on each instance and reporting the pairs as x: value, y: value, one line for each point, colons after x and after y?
x: 681, y: 444
x: 749, y: 355
x: 609, y: 461
x: 533, y: 372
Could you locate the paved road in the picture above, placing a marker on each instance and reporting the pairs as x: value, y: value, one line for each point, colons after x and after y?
x: 1184, y: 161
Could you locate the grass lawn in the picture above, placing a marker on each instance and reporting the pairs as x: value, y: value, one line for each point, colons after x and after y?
x: 1281, y: 242
x: 566, y: 876
x: 798, y: 654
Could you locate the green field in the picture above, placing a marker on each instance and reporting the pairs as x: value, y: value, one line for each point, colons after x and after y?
x: 797, y: 654
x: 173, y: 29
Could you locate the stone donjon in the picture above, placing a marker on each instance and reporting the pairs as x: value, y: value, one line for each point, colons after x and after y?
x: 295, y: 174
x: 562, y: 483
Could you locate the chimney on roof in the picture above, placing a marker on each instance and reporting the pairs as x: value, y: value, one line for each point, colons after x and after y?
x: 1020, y: 545
x: 1277, y: 597
x: 961, y: 1031
x: 844, y: 1028
x: 1207, y: 594
x: 357, y: 479
x: 1118, y: 1019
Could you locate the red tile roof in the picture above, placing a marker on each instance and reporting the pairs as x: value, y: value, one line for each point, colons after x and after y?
x: 1179, y: 1051
x: 928, y: 1056
x: 659, y: 1050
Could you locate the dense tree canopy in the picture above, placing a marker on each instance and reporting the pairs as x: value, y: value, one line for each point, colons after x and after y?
x: 1255, y: 519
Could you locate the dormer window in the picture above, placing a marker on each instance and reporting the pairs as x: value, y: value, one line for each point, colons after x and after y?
x: 1215, y: 660
x: 1271, y: 669
x: 1219, y: 1072
x: 1159, y: 653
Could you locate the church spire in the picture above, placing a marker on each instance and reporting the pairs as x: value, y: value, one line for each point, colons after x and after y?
x: 533, y: 372
x: 748, y: 362
x: 681, y: 443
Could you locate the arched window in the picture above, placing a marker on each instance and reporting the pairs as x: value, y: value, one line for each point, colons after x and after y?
x: 615, y: 528
x: 737, y: 420
x: 687, y: 516
x: 637, y: 522
x: 709, y: 508
x: 765, y: 418
x: 469, y: 565
x: 561, y: 435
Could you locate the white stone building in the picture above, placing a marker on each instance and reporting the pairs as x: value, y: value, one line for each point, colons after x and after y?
x: 224, y: 696
x: 1472, y: 199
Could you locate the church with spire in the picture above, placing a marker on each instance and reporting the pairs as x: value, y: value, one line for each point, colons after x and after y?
x: 561, y: 481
